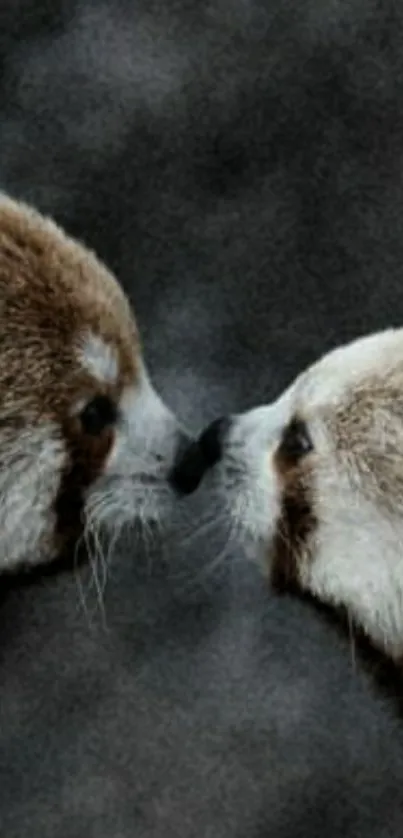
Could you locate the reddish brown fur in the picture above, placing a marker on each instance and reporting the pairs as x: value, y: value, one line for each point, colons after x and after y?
x: 297, y: 524
x: 52, y: 293
x: 52, y: 290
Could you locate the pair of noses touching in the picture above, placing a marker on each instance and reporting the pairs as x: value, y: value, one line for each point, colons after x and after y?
x: 86, y: 443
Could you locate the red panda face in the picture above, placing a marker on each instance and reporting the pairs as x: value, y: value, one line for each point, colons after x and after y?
x: 84, y: 438
x: 317, y: 479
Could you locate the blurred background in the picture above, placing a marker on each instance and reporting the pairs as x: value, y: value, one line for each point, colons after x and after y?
x: 238, y: 164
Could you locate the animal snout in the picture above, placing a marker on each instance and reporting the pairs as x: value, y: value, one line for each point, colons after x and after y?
x: 196, y: 459
x: 212, y: 440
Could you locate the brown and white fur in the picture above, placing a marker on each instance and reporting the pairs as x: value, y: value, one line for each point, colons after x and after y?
x: 84, y: 438
x: 318, y: 477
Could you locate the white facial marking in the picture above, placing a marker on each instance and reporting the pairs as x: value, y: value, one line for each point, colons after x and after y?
x: 252, y: 440
x: 31, y: 468
x: 99, y: 358
x: 135, y: 474
x: 145, y: 428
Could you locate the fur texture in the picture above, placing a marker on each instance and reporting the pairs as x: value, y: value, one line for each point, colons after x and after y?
x: 69, y: 352
x: 329, y: 505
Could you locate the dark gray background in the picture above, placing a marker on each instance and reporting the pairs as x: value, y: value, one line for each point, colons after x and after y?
x: 239, y: 164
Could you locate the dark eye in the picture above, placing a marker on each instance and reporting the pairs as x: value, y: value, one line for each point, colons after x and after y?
x: 296, y: 441
x: 100, y: 413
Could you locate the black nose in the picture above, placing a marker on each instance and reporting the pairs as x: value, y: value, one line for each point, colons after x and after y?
x: 212, y: 440
x: 188, y: 470
x: 193, y: 462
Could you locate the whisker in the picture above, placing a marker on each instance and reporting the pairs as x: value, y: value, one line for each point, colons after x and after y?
x: 351, y: 636
x: 99, y: 590
x: 101, y: 556
x: 80, y: 587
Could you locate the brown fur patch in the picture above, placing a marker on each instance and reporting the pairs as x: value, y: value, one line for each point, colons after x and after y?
x: 53, y: 294
x: 367, y: 432
x: 293, y: 540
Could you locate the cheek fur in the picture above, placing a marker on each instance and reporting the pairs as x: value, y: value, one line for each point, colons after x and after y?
x: 31, y: 464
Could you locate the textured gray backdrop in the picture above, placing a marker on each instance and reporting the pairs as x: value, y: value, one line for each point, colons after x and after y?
x: 239, y: 164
